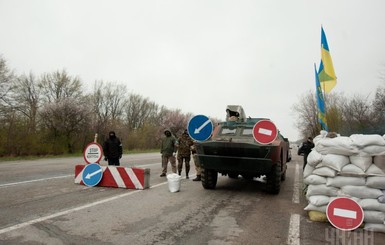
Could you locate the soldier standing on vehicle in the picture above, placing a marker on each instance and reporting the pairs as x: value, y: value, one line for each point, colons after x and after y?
x: 168, y: 149
x: 306, y: 149
x: 184, y: 152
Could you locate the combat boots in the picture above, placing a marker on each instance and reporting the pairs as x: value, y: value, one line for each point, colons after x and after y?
x: 198, y: 178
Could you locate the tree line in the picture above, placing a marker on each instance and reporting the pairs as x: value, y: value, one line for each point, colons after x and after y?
x: 50, y: 114
x: 357, y: 114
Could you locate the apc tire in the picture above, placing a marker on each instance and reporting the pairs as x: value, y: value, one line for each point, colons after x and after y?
x: 209, y: 178
x: 273, y: 181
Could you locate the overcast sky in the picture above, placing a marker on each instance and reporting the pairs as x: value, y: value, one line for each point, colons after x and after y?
x: 201, y: 55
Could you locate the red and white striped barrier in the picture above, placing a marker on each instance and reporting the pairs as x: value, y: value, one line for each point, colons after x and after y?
x: 130, y: 178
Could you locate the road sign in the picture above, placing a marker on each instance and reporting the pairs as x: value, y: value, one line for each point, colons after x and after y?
x: 345, y: 214
x: 93, y: 153
x: 200, y: 128
x: 265, y: 132
x: 92, y: 174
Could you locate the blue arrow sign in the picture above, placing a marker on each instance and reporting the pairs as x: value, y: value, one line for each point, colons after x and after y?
x: 200, y: 128
x: 92, y: 174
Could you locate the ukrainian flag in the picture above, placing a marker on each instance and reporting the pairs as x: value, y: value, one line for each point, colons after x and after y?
x: 326, y: 74
x: 320, y: 102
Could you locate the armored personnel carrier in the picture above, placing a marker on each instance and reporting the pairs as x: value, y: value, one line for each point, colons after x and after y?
x: 233, y: 151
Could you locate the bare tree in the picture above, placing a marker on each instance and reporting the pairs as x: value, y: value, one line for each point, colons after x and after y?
x: 6, y: 84
x: 307, y: 111
x: 57, y: 86
x: 27, y: 99
x: 65, y: 120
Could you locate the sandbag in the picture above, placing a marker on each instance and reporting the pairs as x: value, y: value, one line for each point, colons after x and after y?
x: 308, y: 170
x: 373, y: 170
x: 324, y: 190
x: 370, y: 204
x: 314, y: 158
x: 373, y: 150
x: 362, y: 140
x: 360, y: 191
x: 318, y: 216
x: 333, y: 161
x: 340, y: 145
x: 351, y: 170
x: 340, y: 181
x: 375, y: 227
x: 363, y: 162
x: 374, y: 217
x: 377, y: 182
x: 319, y: 200
x: 325, y: 172
x: 314, y: 180
x: 311, y: 207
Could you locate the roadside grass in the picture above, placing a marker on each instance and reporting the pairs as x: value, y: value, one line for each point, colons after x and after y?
x: 77, y: 154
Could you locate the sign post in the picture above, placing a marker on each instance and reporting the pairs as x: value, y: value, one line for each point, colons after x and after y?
x: 265, y: 132
x: 345, y: 214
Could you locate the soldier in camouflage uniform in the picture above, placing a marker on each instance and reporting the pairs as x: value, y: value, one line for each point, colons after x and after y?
x: 168, y: 149
x: 197, y: 165
x: 184, y: 152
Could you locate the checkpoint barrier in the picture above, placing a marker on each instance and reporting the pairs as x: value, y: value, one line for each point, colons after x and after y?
x: 129, y: 178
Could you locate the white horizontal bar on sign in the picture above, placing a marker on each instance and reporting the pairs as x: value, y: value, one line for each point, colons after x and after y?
x: 345, y: 213
x: 265, y: 131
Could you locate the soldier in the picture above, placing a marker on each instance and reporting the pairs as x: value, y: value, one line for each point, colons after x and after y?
x: 112, y: 149
x: 306, y: 149
x: 197, y: 165
x: 168, y: 150
x: 184, y: 152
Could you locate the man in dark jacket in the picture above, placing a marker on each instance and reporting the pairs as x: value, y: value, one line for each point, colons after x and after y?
x: 306, y: 149
x: 112, y: 149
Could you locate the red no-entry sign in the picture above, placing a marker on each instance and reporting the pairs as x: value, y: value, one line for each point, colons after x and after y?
x: 265, y: 132
x: 345, y: 214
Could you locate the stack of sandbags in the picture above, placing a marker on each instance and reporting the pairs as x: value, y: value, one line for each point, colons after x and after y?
x: 351, y: 167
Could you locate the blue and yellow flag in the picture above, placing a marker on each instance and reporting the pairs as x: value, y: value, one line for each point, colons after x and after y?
x: 326, y: 74
x: 320, y: 101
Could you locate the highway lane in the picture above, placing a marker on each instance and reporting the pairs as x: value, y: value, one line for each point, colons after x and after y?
x: 41, y: 204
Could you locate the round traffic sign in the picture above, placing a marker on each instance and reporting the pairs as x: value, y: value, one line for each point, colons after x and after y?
x: 345, y: 214
x: 92, y: 174
x: 265, y: 132
x: 93, y: 153
x: 200, y: 128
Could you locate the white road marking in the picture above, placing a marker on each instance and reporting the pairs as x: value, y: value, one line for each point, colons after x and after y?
x: 265, y: 131
x: 296, y: 185
x: 293, y: 237
x: 35, y: 180
x: 65, y: 212
x: 345, y: 213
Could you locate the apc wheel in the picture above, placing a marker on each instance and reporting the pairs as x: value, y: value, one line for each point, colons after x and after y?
x: 273, y: 182
x: 209, y: 178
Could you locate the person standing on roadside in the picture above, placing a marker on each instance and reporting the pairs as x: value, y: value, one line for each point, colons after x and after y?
x: 306, y: 149
x: 168, y: 149
x: 184, y: 152
x: 197, y: 165
x: 112, y: 149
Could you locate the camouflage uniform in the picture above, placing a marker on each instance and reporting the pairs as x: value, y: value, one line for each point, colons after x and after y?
x: 184, y: 152
x: 198, y: 168
x: 167, y: 150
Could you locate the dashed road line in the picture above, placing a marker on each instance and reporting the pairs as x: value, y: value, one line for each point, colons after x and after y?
x: 35, y: 180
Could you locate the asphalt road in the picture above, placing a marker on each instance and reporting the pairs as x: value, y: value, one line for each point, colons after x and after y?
x: 40, y: 204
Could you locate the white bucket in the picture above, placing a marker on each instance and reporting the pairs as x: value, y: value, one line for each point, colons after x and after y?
x: 173, y: 182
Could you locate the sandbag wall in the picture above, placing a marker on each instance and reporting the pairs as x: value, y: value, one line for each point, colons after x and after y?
x: 351, y: 167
